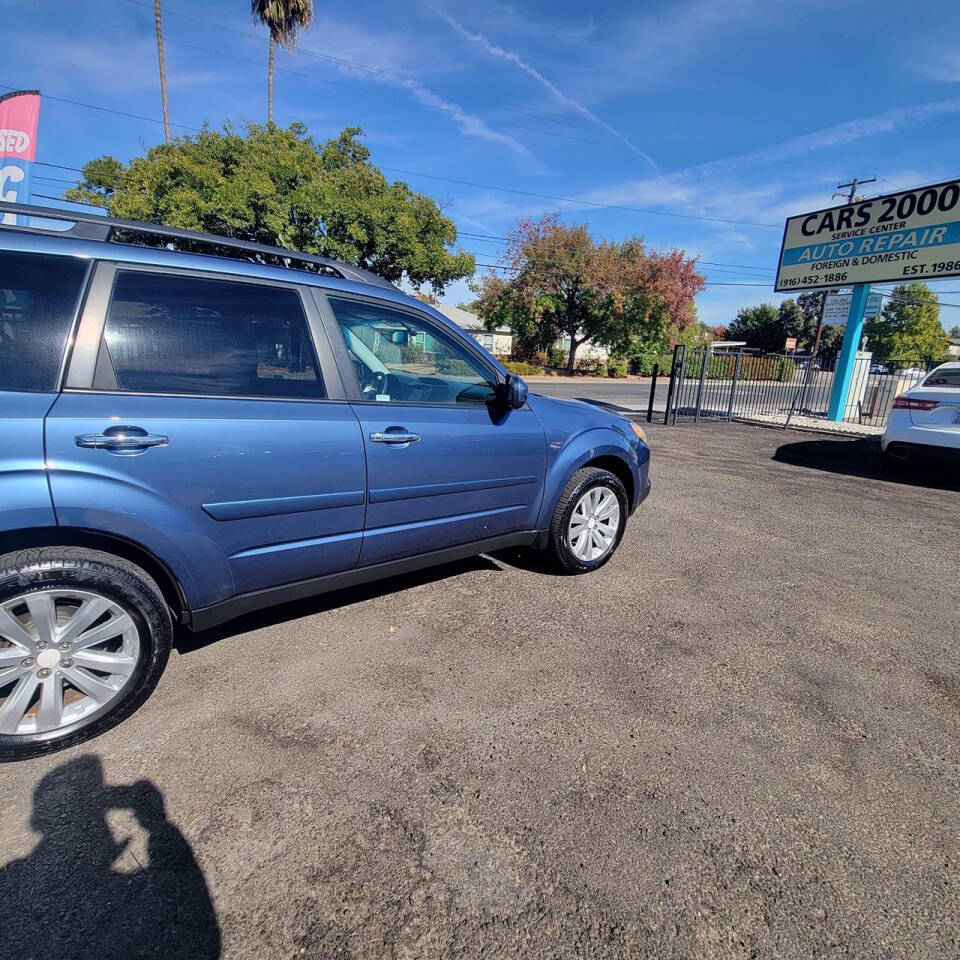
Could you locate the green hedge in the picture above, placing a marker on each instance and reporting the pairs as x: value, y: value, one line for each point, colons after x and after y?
x: 522, y: 369
x: 644, y: 363
x: 722, y: 366
x: 719, y: 366
x: 455, y: 367
x: 617, y: 367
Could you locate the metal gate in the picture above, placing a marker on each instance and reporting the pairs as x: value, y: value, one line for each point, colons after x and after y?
x: 774, y: 388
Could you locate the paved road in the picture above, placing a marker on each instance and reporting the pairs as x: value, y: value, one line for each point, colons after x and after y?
x: 740, y: 738
x: 632, y: 395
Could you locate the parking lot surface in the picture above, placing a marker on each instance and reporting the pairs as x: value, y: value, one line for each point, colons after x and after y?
x: 740, y: 738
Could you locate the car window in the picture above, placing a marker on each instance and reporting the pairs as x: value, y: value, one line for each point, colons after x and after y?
x: 175, y: 334
x: 944, y: 378
x: 401, y: 359
x: 38, y: 297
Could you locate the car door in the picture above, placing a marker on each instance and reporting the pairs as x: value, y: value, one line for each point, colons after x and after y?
x: 207, y: 414
x: 38, y: 301
x: 446, y: 463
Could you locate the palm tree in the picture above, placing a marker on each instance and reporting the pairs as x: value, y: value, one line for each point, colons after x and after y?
x: 163, y: 71
x: 284, y: 19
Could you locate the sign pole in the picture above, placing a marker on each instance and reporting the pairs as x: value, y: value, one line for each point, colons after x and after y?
x: 848, y: 353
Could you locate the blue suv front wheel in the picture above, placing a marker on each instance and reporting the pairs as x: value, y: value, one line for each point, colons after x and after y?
x: 84, y: 638
x: 589, y: 520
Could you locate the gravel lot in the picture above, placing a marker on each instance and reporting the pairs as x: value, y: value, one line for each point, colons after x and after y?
x: 741, y: 738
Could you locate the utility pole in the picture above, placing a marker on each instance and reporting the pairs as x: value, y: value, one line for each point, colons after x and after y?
x: 850, y: 198
x: 853, y: 184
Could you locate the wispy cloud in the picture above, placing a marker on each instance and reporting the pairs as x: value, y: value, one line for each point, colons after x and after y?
x: 942, y: 65
x: 470, y: 125
x: 842, y: 133
x: 511, y: 57
x: 357, y: 46
x: 714, y: 188
x: 65, y: 59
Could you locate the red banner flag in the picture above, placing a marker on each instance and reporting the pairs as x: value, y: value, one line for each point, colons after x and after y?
x: 19, y: 116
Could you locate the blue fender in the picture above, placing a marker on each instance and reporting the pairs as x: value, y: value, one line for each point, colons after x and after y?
x: 566, y: 455
x: 111, y: 503
x: 24, y: 494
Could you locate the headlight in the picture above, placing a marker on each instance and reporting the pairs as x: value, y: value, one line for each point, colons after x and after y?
x: 638, y: 430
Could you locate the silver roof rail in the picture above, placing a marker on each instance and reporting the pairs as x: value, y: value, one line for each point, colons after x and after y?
x: 92, y: 226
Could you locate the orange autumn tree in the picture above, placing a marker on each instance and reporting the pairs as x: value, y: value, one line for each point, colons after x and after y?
x: 562, y: 282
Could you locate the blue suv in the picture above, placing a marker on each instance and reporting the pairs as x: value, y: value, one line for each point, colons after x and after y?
x: 196, y: 427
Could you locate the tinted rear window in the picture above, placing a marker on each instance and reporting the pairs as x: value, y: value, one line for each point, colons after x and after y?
x: 178, y: 334
x: 38, y: 297
x: 943, y: 378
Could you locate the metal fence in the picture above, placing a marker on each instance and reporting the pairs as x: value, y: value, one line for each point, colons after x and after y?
x: 777, y: 387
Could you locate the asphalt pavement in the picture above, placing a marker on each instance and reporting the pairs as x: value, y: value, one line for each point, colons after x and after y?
x: 740, y: 738
x: 629, y: 395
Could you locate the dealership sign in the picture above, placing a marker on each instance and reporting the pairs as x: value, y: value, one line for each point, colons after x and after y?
x: 19, y: 113
x: 837, y: 308
x: 913, y: 235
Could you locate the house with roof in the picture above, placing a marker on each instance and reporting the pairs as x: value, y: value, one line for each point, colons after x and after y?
x: 499, y: 342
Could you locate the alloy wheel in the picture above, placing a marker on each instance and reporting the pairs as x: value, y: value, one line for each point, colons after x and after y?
x: 594, y: 523
x: 65, y: 655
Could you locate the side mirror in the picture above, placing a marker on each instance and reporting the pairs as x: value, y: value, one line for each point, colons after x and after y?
x: 516, y: 391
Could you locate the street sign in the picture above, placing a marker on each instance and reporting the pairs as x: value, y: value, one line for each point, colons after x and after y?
x: 912, y: 235
x: 791, y: 343
x: 837, y: 308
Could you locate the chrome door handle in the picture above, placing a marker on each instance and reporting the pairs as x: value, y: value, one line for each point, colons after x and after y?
x: 121, y: 440
x: 395, y: 437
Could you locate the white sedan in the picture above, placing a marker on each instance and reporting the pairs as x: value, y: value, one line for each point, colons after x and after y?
x: 926, y: 418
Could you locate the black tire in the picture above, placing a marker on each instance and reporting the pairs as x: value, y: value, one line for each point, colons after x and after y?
x: 892, y: 463
x: 29, y: 571
x: 559, y: 546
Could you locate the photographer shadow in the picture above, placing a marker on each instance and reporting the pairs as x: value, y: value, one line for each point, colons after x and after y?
x: 84, y: 893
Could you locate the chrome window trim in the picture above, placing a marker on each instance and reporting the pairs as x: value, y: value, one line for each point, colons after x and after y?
x: 438, y: 330
x: 83, y: 361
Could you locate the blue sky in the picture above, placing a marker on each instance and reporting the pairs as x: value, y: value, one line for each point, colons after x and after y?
x: 712, y: 121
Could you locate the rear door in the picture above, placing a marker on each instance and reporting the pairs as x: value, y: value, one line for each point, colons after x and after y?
x: 38, y: 301
x: 445, y: 464
x: 208, y: 412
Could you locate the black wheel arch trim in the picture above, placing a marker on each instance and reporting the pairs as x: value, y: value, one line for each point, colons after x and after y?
x: 170, y: 587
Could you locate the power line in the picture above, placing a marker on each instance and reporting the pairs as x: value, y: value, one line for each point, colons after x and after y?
x: 588, y: 203
x: 466, y: 183
x: 93, y: 106
x: 712, y: 263
x: 59, y: 166
x: 334, y: 83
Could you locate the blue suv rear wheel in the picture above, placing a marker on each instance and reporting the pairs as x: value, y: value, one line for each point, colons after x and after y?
x: 84, y: 638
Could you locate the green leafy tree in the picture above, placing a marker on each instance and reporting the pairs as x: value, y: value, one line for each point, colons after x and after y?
x: 831, y: 338
x: 284, y: 19
x: 759, y: 326
x: 908, y: 328
x: 565, y: 283
x: 279, y: 187
x: 766, y: 327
